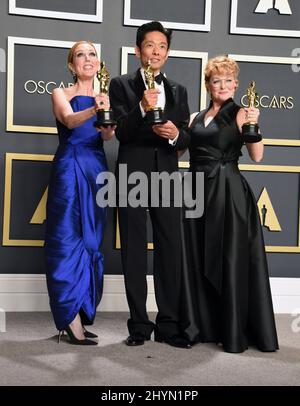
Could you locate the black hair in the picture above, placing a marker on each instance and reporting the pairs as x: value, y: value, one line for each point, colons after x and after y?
x: 150, y: 27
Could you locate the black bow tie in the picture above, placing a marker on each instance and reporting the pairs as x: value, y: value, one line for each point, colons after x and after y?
x: 158, y: 78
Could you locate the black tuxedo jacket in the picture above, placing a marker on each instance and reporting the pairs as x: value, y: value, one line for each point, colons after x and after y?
x: 140, y: 148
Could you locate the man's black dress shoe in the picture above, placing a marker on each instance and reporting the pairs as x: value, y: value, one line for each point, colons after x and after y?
x: 135, y: 339
x: 175, y: 341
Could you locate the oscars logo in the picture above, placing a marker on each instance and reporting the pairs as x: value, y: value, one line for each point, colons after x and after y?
x: 267, y: 212
x: 39, y: 216
x: 282, y: 6
x: 42, y: 87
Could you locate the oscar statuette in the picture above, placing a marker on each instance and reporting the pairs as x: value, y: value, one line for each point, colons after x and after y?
x: 154, y: 115
x: 250, y: 130
x: 104, y: 117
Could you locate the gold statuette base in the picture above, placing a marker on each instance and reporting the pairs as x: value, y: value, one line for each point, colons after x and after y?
x: 104, y: 118
x: 250, y: 133
x: 155, y: 116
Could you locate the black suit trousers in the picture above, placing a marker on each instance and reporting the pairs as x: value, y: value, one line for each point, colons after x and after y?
x: 166, y: 266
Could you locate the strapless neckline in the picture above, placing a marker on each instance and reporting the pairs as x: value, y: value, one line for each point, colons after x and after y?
x: 80, y: 95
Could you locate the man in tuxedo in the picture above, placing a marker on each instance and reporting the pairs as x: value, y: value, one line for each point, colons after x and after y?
x: 149, y: 149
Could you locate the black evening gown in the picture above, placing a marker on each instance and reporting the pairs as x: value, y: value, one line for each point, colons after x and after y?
x: 226, y: 295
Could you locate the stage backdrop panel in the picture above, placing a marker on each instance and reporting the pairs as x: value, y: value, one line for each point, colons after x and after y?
x: 87, y: 10
x: 279, y: 217
x: 278, y: 89
x: 266, y: 17
x: 26, y: 182
x: 29, y: 107
x: 195, y: 15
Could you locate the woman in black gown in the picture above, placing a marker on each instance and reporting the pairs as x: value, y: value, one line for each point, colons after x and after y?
x: 226, y: 294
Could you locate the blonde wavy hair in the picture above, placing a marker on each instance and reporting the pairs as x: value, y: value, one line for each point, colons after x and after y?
x: 220, y: 64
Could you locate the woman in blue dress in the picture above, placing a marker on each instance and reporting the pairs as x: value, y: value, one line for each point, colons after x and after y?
x: 75, y: 223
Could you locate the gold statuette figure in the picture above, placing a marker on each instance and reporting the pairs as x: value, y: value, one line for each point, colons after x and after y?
x: 250, y: 130
x: 103, y: 77
x: 251, y: 93
x: 155, y: 114
x: 104, y: 117
x: 149, y: 76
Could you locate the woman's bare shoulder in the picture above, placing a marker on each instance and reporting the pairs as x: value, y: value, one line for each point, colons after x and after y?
x: 64, y: 93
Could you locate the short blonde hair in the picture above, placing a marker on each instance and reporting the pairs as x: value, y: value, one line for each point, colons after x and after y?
x: 220, y: 64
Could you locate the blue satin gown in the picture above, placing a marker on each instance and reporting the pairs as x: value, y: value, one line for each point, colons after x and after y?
x: 75, y: 223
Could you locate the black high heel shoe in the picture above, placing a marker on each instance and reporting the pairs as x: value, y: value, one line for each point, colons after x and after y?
x: 74, y: 340
x: 60, y: 334
x: 88, y: 334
